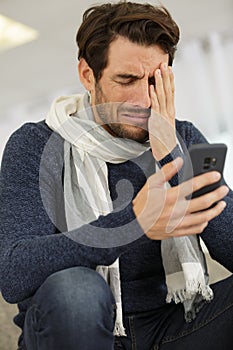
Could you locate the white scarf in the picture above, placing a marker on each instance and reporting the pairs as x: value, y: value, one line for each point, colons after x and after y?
x: 87, y: 148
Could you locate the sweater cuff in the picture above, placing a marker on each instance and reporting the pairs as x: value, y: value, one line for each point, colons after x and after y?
x: 176, y: 152
x: 118, y: 228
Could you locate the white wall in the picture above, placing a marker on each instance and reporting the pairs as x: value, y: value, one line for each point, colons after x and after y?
x: 204, y: 76
x: 204, y: 93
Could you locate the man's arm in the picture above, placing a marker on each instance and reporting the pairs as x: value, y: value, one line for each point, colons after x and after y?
x: 164, y: 213
x: 182, y: 217
x: 31, y: 246
x: 218, y: 235
x: 215, y: 224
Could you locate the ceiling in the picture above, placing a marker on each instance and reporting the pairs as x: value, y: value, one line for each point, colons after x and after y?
x: 48, y: 65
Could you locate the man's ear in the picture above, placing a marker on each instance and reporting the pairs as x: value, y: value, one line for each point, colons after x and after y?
x: 86, y: 75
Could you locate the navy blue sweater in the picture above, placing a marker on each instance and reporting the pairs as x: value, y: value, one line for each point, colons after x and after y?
x: 32, y: 223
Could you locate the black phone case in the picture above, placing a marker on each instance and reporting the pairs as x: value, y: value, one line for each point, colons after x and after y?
x: 204, y: 158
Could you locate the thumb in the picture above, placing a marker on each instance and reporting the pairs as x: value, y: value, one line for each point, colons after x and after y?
x: 167, y: 172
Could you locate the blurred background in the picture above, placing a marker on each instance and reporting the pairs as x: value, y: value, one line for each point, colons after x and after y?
x: 40, y: 63
x: 33, y: 73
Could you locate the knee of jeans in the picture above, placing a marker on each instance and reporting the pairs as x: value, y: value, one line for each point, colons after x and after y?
x: 77, y: 288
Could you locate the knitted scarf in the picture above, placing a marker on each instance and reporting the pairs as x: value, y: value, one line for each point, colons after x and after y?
x: 87, y: 149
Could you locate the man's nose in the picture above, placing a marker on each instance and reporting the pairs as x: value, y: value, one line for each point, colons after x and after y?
x: 141, y: 95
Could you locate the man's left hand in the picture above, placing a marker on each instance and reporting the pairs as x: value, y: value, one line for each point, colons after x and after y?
x: 162, y: 132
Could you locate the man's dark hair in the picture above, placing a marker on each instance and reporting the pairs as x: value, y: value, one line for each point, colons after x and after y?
x: 142, y: 24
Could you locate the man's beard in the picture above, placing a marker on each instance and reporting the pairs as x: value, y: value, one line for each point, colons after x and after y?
x: 111, y: 110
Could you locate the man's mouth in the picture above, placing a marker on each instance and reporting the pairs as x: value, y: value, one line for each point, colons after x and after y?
x: 135, y: 118
x: 138, y: 116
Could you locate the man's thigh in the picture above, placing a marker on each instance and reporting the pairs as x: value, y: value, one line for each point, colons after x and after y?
x: 166, y: 328
x: 212, y: 329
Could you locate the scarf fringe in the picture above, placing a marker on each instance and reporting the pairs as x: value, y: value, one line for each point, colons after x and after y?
x: 191, y: 314
x: 201, y: 294
x: 119, y: 330
x: 192, y: 288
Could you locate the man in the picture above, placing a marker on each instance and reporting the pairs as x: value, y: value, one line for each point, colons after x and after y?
x: 99, y: 244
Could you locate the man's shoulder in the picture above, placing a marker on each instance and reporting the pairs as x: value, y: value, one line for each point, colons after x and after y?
x: 186, y: 130
x: 183, y: 125
x: 31, y: 140
x: 32, y: 133
x: 33, y: 129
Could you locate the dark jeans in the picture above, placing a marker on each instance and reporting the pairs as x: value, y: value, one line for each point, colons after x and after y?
x: 74, y: 309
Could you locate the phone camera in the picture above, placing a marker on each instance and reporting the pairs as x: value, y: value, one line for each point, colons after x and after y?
x: 209, y: 162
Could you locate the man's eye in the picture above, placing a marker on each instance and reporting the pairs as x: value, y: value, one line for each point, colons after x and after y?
x: 129, y: 82
x: 151, y: 81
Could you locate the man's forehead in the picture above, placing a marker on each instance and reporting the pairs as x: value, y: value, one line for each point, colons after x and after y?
x: 135, y: 59
x: 139, y: 70
x: 135, y: 67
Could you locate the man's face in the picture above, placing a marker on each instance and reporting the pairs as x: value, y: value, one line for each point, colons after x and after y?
x: 124, y: 87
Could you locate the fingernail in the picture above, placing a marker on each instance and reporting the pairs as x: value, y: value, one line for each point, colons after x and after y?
x: 226, y: 189
x: 178, y: 161
x: 216, y: 175
x: 165, y: 66
x: 223, y: 205
x: 158, y: 72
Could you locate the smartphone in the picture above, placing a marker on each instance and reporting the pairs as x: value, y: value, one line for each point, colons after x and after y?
x: 201, y: 159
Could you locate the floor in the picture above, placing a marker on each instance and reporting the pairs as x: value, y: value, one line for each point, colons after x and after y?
x: 9, y: 332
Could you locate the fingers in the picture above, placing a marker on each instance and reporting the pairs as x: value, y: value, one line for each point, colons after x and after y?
x: 167, y: 86
x: 161, y: 92
x: 207, y: 200
x: 165, y: 173
x: 185, y: 231
x: 161, y: 124
x: 196, y: 223
x: 154, y: 100
x: 191, y: 224
x: 164, y: 213
x: 191, y: 217
x: 162, y: 96
x: 171, y: 95
x: 208, y: 214
x: 202, y: 217
x: 198, y: 182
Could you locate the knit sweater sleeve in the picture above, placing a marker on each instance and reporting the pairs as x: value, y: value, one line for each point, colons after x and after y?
x: 218, y: 235
x: 32, y: 246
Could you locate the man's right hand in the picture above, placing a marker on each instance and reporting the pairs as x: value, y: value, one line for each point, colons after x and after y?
x: 165, y: 212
